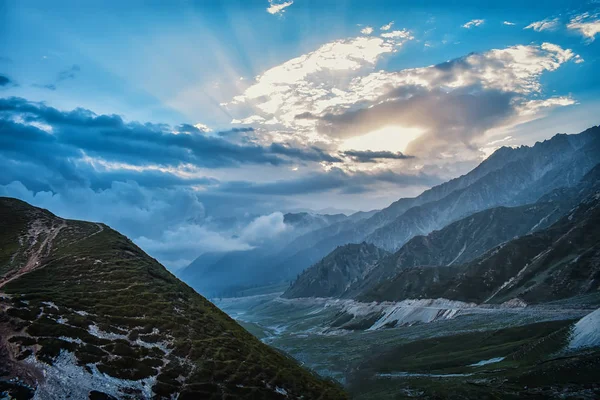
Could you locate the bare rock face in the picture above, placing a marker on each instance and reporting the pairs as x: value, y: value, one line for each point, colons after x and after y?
x: 84, y: 313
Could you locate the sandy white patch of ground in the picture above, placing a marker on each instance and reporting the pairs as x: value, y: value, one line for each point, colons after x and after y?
x: 586, y: 332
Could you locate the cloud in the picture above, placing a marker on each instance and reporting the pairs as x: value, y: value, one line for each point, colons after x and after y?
x: 64, y: 75
x: 277, y: 7
x: 454, y: 102
x: 69, y: 73
x: 313, y: 82
x: 473, y: 23
x: 587, y: 24
x: 369, y: 156
x: 182, y: 245
x: 49, y: 86
x: 544, y: 25
x: 336, y: 93
x: 80, y: 132
x: 402, y: 34
x: 367, y: 30
x: 508, y: 23
x: 334, y: 179
x: 264, y: 228
x: 4, y: 80
x: 387, y: 27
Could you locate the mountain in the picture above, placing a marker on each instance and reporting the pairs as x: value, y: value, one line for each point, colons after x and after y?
x: 84, y: 313
x: 332, y: 276
x: 468, y: 238
x: 309, y: 221
x: 555, y: 263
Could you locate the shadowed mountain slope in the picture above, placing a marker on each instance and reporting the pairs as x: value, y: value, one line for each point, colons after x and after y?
x: 332, y: 276
x: 555, y: 263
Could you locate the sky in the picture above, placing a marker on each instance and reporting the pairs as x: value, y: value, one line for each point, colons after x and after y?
x: 193, y: 126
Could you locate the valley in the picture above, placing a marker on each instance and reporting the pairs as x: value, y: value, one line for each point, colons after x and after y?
x: 361, y: 355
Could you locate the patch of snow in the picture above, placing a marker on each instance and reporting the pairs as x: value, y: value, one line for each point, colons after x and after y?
x: 65, y: 379
x: 71, y: 340
x: 50, y: 304
x: 509, y: 283
x: 410, y: 375
x: 459, y: 254
x: 281, y: 391
x: 512, y: 303
x: 94, y: 330
x: 409, y: 312
x: 586, y: 332
x: 542, y: 221
x: 486, y: 362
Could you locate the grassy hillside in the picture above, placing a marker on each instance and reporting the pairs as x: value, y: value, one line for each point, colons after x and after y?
x: 514, y: 363
x: 81, y: 302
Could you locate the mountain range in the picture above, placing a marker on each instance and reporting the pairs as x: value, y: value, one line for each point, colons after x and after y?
x: 458, y: 243
x: 510, y: 177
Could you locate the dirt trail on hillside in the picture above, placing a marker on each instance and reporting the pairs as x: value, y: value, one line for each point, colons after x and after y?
x: 35, y: 260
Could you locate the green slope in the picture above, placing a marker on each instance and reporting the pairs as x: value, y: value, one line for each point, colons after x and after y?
x: 136, y: 331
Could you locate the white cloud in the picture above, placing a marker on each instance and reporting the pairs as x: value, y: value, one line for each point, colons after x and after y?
x: 544, y: 25
x: 203, y: 127
x: 472, y: 23
x: 532, y: 107
x: 367, y: 30
x: 309, y: 96
x: 315, y: 81
x: 264, y: 228
x: 387, y: 27
x: 276, y: 7
x: 509, y: 23
x: 587, y: 24
x: 403, y: 34
x: 178, y: 247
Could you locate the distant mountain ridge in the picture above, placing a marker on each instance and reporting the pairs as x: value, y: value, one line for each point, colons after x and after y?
x: 470, y: 237
x: 509, y: 177
x: 555, y: 263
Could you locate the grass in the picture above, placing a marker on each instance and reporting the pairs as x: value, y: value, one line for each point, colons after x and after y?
x: 534, y: 365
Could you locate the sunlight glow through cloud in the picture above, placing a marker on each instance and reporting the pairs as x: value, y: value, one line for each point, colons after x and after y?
x: 389, y: 138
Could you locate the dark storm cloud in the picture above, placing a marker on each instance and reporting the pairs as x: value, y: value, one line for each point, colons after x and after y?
x: 334, y: 179
x: 306, y: 154
x: 112, y: 139
x: 368, y: 156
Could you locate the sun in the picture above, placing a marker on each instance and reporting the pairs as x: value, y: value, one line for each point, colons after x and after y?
x: 390, y: 138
